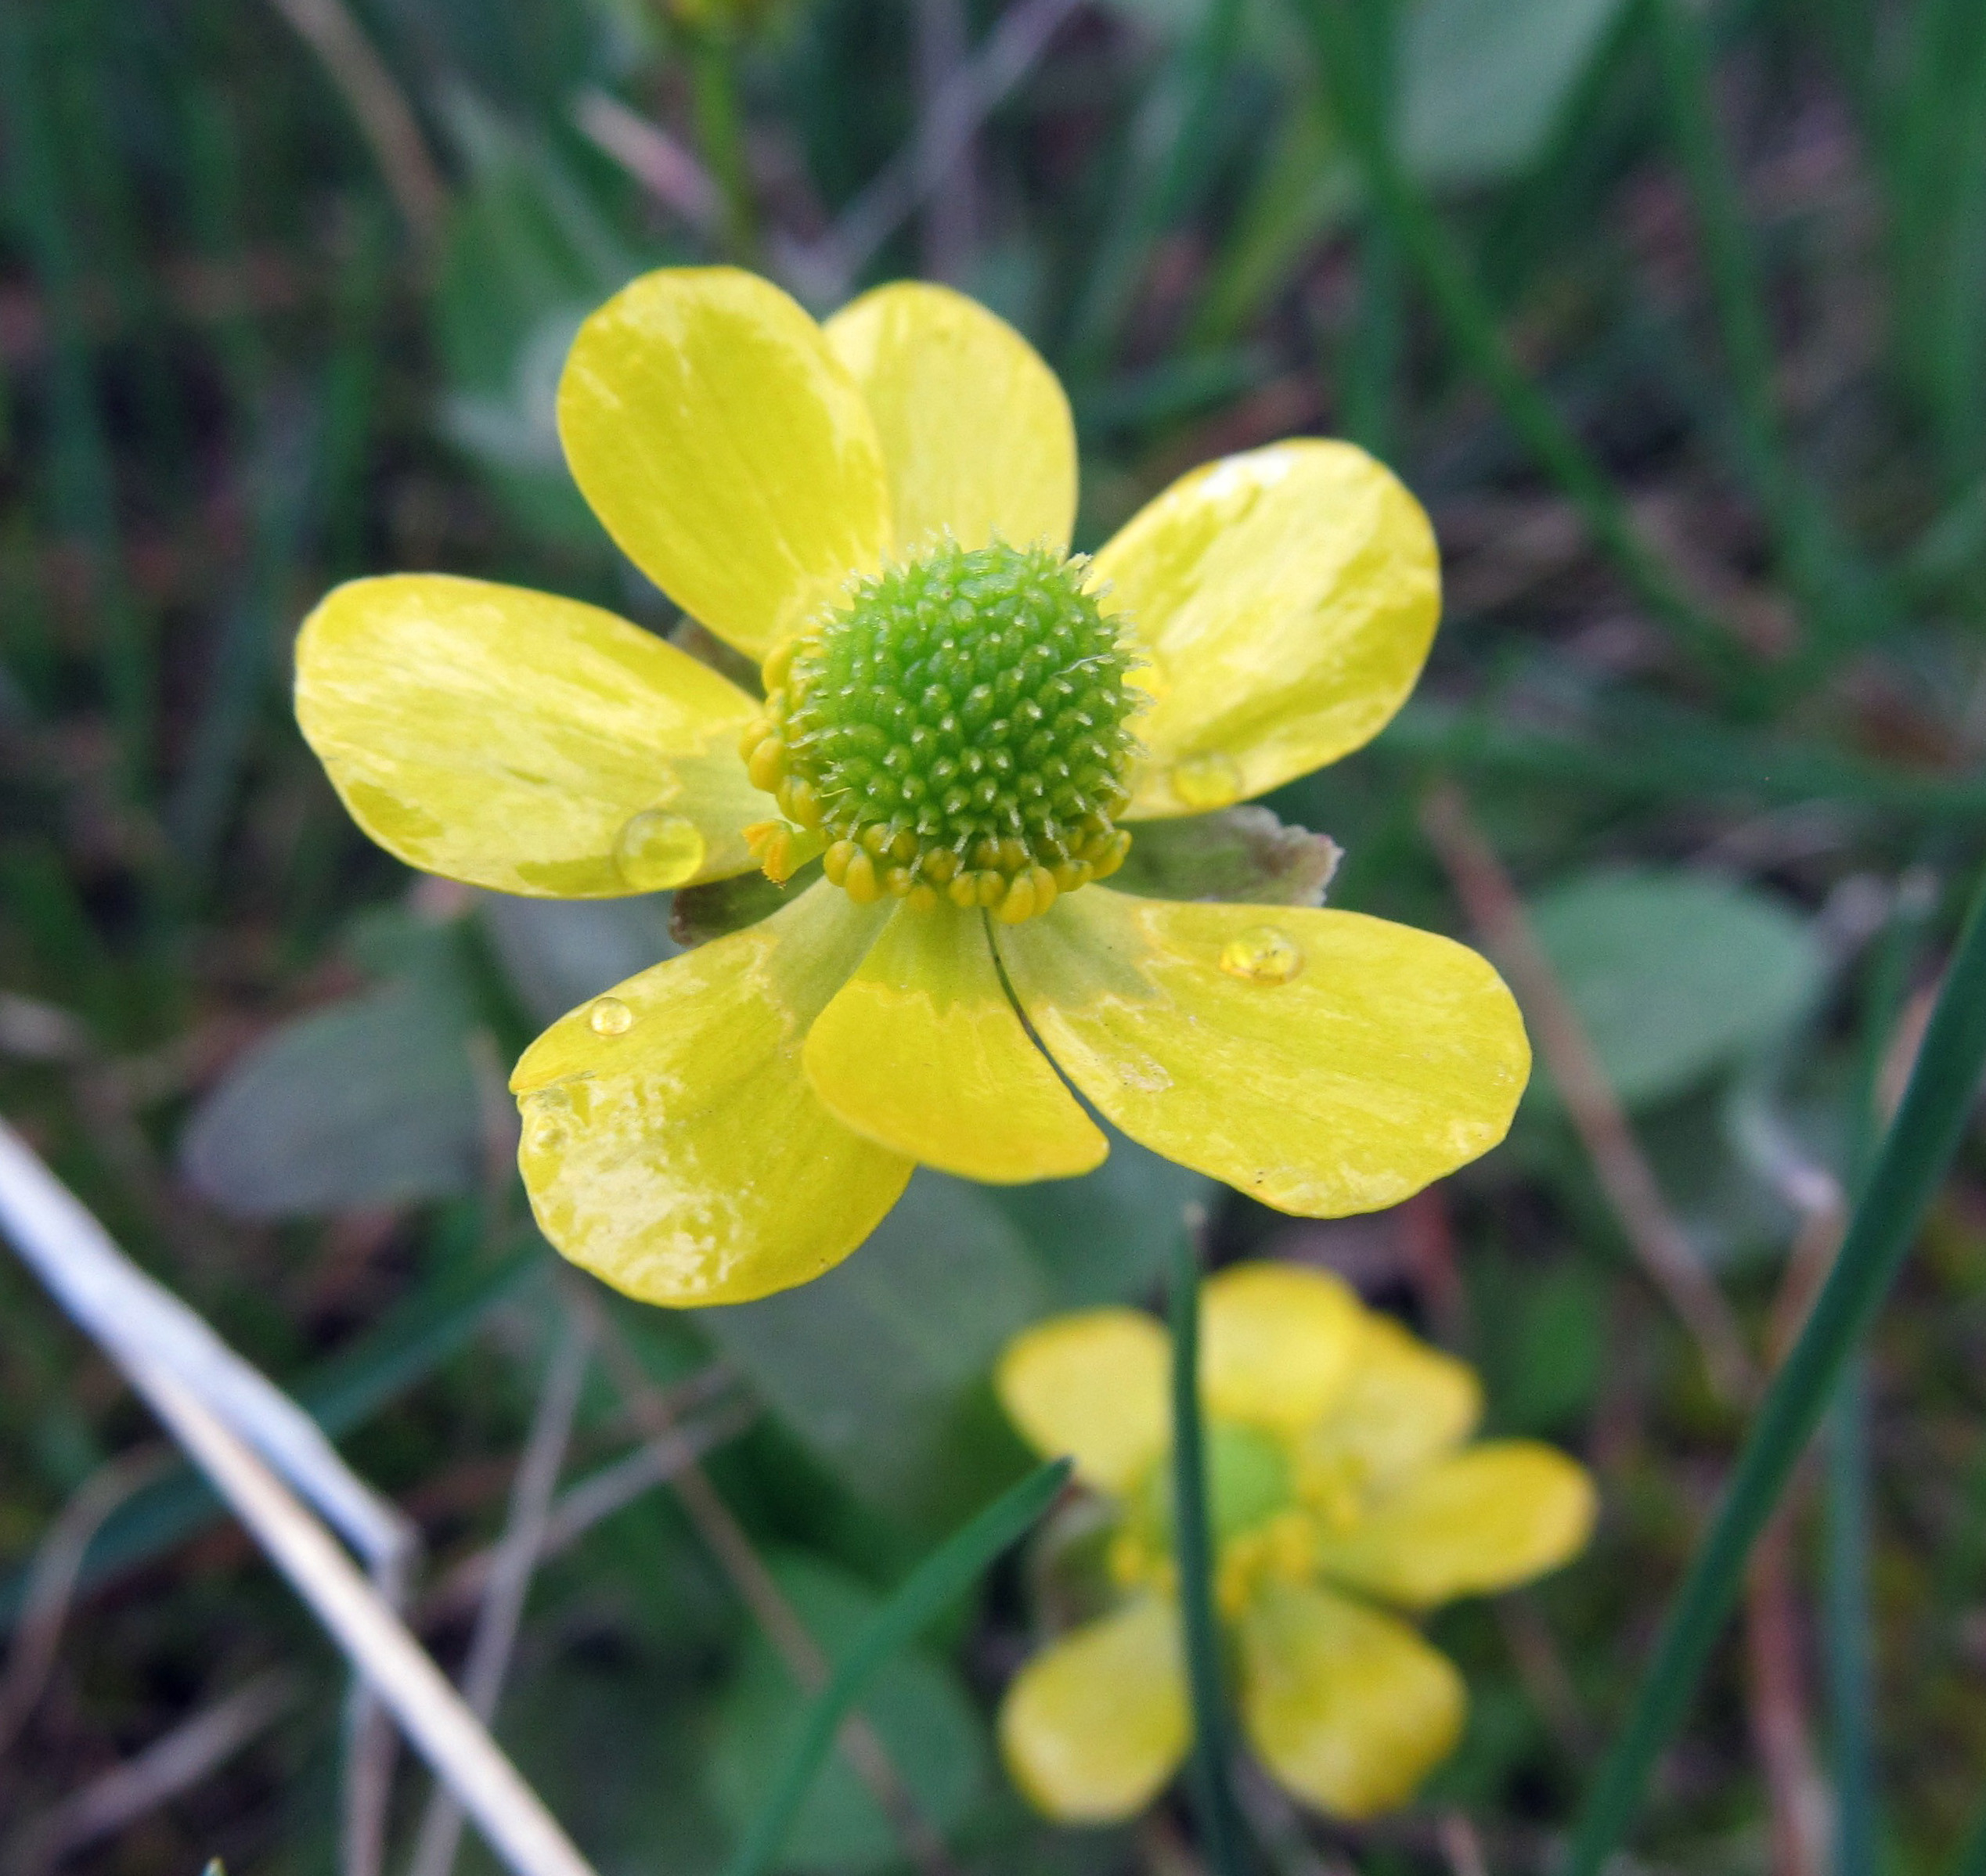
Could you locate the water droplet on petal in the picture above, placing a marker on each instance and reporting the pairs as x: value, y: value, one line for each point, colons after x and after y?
x: 1204, y: 782
x: 609, y: 1016
x: 656, y: 851
x: 1261, y: 955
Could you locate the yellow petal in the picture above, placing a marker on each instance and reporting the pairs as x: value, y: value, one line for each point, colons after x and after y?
x: 1277, y: 1343
x: 1095, y: 1385
x: 1350, y: 1062
x: 509, y: 738
x: 672, y: 1144
x: 1349, y: 1709
x: 976, y: 434
x: 726, y: 450
x: 1283, y: 601
x: 1404, y: 1404
x: 1489, y: 1518
x: 921, y: 1050
x: 1092, y: 1727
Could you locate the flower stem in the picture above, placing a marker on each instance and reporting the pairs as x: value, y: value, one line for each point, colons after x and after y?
x: 720, y: 135
x: 1212, y: 1797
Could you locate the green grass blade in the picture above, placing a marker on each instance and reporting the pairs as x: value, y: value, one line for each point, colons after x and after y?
x: 1469, y: 321
x: 1845, y: 1651
x: 947, y: 1573
x: 1193, y: 1551
x: 1908, y: 1171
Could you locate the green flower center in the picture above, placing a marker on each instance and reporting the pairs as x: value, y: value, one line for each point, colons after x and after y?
x: 1248, y: 1481
x: 958, y: 725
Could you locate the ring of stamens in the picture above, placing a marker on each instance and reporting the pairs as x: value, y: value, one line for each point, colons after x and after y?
x: 956, y: 727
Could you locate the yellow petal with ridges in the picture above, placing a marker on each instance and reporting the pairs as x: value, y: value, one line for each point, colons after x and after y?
x: 509, y: 738
x: 1369, y: 1060
x: 1277, y: 1343
x: 921, y: 1050
x: 672, y: 1144
x: 1485, y: 1519
x: 1093, y: 1385
x: 1349, y: 1709
x: 726, y: 450
x: 1404, y: 1404
x: 1283, y: 601
x: 1094, y: 1726
x: 976, y: 433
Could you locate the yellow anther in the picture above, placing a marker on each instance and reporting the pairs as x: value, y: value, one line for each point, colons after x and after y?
x: 1113, y: 857
x: 876, y: 838
x: 836, y: 863
x: 1069, y: 874
x: 898, y: 880
x: 859, y: 879
x: 796, y: 795
x: 751, y: 735
x: 766, y: 764
x: 941, y: 868
x: 921, y: 898
x: 1015, y: 856
x: 963, y: 891
x: 986, y: 854
x: 992, y: 887
x: 1017, y: 903
x: 773, y: 673
x: 904, y: 849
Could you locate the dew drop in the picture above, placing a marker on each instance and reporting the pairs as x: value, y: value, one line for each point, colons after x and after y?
x: 1261, y: 955
x: 1207, y: 781
x: 656, y: 850
x: 609, y: 1016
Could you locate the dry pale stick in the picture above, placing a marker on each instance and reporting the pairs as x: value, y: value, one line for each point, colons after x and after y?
x: 70, y: 1250
x: 511, y: 1570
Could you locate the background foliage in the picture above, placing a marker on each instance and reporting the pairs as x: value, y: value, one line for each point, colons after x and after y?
x: 1675, y: 317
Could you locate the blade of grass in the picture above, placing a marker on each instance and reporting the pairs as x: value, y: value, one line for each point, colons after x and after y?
x: 1164, y: 166
x: 1193, y: 1552
x: 1840, y: 599
x: 1469, y: 321
x: 1845, y: 1611
x: 82, y: 488
x: 945, y: 1574
x: 1908, y: 1171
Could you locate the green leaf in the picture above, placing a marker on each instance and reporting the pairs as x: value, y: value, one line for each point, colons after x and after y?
x: 942, y: 1577
x: 879, y: 1367
x: 372, y: 1102
x: 1483, y: 82
x: 918, y: 1705
x: 559, y: 953
x: 1676, y: 974
x: 1239, y: 854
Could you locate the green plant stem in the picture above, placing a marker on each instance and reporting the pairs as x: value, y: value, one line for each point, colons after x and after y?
x: 720, y: 137
x: 946, y: 1574
x: 1193, y: 1552
x: 1470, y: 324
x: 1910, y: 1164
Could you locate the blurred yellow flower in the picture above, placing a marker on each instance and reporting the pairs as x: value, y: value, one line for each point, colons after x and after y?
x: 965, y: 724
x: 1338, y: 1482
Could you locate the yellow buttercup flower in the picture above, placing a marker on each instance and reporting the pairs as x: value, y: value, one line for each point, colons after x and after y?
x: 1339, y: 1482
x: 967, y: 724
